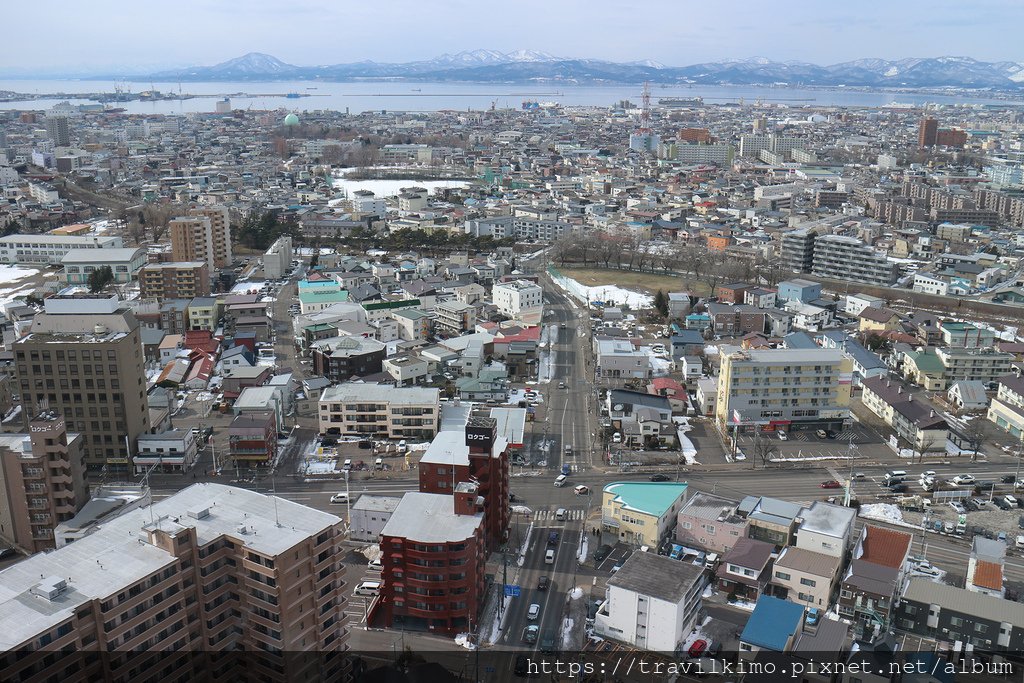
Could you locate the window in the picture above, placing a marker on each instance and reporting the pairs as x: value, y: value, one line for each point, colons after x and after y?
x: 782, y: 576
x: 808, y: 582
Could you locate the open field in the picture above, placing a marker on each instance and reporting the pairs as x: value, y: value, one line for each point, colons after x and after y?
x: 643, y: 282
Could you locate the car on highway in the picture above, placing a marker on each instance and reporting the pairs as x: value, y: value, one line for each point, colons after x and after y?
x: 898, y: 488
x: 831, y: 484
x: 783, y: 436
x: 1007, y: 479
x: 548, y: 644
x: 533, y: 612
x: 962, y: 479
x: 602, y: 552
x: 697, y: 648
x: 660, y: 477
x: 561, y: 385
x: 543, y: 583
x: 553, y: 538
x: 339, y: 497
x: 530, y: 633
x: 581, y: 490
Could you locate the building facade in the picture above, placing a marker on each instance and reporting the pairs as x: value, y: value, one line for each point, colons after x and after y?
x: 176, y: 280
x: 375, y: 409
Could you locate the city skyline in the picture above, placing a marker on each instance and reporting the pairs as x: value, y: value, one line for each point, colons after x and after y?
x: 121, y: 39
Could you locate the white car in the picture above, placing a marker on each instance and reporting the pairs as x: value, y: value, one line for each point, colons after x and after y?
x: 783, y: 436
x: 617, y: 437
x: 339, y: 497
x: 958, y: 507
x: 963, y: 479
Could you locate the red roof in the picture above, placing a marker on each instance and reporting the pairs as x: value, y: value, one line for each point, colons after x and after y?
x: 886, y: 547
x: 526, y: 334
x: 666, y: 386
x: 988, y: 575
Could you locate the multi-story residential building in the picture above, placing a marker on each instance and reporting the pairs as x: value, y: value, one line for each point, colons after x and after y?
x: 520, y: 300
x: 433, y: 555
x: 720, y: 154
x: 454, y: 317
x: 933, y: 609
x: 203, y: 313
x: 50, y: 249
x: 210, y: 568
x: 874, y: 577
x: 203, y: 235
x: 914, y: 422
x: 176, y: 280
x: 174, y: 316
x: 737, y: 320
x: 342, y: 358
x: 986, y: 365
x: 1007, y: 407
x: 79, y: 264
x: 478, y: 455
x: 277, y: 261
x: 783, y: 388
x: 797, y: 251
x: 651, y: 602
x: 377, y: 409
x: 83, y: 358
x: 414, y: 325
x: 806, y: 577
x: 847, y: 258
x: 966, y: 335
x: 641, y: 513
x: 798, y: 289
x: 619, y: 359
x: 58, y: 129
x: 710, y: 522
x: 42, y: 482
x: 252, y: 439
x: 366, y: 202
x: 407, y: 371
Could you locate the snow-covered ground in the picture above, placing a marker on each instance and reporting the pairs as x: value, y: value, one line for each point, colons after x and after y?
x: 546, y: 363
x: 697, y: 634
x: 686, y: 446
x: 465, y: 640
x: 609, y: 294
x: 318, y: 467
x: 584, y: 549
x: 390, y: 188
x: 567, y: 639
x: 884, y: 512
x: 11, y: 275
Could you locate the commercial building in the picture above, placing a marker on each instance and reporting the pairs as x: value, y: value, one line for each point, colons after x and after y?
x: 433, y: 556
x: 49, y: 249
x: 847, y: 258
x: 477, y: 455
x: 42, y: 482
x: 641, y: 513
x: 520, y: 300
x: 783, y: 388
x: 83, y: 358
x: 651, y: 602
x: 380, y: 410
x: 79, y: 264
x: 210, y: 568
x: 172, y: 451
x: 177, y: 280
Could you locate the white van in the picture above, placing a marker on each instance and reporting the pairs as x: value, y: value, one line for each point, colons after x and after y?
x: 549, y: 557
x: 560, y: 480
x: 895, y: 474
x: 711, y: 560
x: 560, y: 514
x: 348, y: 464
x: 368, y: 588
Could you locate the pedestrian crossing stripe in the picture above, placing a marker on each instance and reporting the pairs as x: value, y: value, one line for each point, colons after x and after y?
x: 570, y: 515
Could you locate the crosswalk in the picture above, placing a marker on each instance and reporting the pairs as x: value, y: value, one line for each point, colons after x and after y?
x: 570, y: 514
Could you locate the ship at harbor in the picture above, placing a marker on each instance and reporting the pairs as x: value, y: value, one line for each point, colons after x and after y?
x: 681, y: 101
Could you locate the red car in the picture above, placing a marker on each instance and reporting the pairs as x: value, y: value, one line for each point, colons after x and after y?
x: 833, y: 484
x: 697, y: 649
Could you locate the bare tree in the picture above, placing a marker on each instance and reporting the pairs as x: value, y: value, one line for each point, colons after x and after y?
x: 928, y: 443
x: 975, y: 433
x: 763, y: 449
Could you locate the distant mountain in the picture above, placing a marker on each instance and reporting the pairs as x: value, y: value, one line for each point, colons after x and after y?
x: 491, y: 66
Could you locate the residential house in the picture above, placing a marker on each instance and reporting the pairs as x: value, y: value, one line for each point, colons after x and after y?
x: 732, y: 293
x: 967, y: 395
x: 746, y: 569
x: 671, y: 389
x: 406, y: 370
x: 369, y: 514
x: 760, y: 297
x: 826, y: 528
x: 641, y: 513
x: 710, y: 522
x: 855, y: 303
x: 773, y: 626
x: 342, y: 358
x: 798, y: 289
x: 924, y: 368
x: 873, y: 319
x: 874, y: 578
x: 806, y: 577
x: 770, y: 520
x: 618, y: 359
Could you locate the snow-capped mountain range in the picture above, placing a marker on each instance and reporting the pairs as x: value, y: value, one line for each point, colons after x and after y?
x: 531, y: 65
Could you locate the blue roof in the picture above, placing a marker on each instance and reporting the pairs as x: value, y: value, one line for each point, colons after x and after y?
x: 772, y: 623
x: 688, y: 337
x: 652, y: 498
x: 798, y: 340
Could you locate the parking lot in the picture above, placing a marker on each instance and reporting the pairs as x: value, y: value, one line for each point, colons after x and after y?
x: 805, y: 443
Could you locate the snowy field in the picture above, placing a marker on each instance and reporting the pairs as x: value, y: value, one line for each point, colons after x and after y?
x: 609, y: 294
x: 10, y: 277
x: 390, y: 188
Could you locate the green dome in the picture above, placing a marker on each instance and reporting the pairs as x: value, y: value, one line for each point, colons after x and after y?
x: 291, y: 120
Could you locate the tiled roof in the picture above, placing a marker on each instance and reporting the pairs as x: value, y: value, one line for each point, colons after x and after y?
x: 988, y: 575
x: 886, y: 547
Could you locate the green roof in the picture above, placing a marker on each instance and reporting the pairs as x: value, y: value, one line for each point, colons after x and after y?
x: 321, y: 327
x: 385, y: 305
x: 926, y: 362
x: 319, y: 297
x: 649, y: 497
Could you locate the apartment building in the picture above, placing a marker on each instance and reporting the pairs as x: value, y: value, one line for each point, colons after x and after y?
x: 477, y: 455
x: 933, y: 609
x: 342, y: 358
x: 914, y: 422
x: 42, y: 482
x: 203, y: 235
x: 1007, y: 407
x: 966, y: 335
x: 783, y: 388
x: 175, y: 280
x: 83, y: 358
x: 651, y: 602
x: 847, y: 258
x: 433, y: 556
x: 377, y: 409
x: 50, y: 249
x: 520, y: 300
x: 797, y: 250
x: 277, y: 261
x: 211, y: 568
x: 454, y: 317
x: 641, y: 513
x: 986, y: 365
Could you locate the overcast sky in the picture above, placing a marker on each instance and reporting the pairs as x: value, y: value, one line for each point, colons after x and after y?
x: 59, y: 34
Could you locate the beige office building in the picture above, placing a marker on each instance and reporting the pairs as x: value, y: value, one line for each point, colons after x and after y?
x: 42, y: 482
x: 83, y: 358
x: 208, y: 570
x: 203, y: 235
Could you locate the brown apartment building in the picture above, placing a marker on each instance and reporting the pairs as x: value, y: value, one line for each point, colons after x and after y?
x: 203, y: 235
x: 209, y: 570
x: 83, y: 358
x: 175, y: 280
x: 42, y: 482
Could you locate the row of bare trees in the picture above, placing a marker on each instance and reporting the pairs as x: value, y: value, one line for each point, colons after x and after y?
x: 695, y: 264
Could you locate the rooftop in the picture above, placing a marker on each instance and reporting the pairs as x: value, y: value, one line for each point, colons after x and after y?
x: 656, y: 576
x: 772, y: 623
x: 363, y: 393
x: 648, y: 497
x: 828, y: 519
x: 964, y: 601
x: 885, y: 547
x: 430, y: 518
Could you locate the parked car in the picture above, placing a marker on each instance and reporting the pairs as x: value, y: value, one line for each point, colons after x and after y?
x: 660, y: 477
x: 958, y: 507
x: 783, y: 436
x: 602, y: 552
x: 1001, y: 503
x: 697, y: 649
x: 1007, y: 479
x: 813, y: 614
x: 821, y: 434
